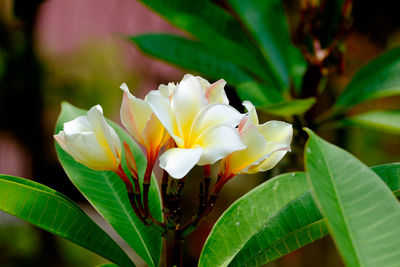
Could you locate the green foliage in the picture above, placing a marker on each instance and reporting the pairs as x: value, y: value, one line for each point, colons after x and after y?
x: 383, y: 120
x: 379, y: 78
x: 362, y: 213
x: 293, y: 226
x: 57, y: 214
x: 107, y: 193
x: 247, y: 215
x: 266, y: 22
x: 190, y: 55
x: 289, y: 108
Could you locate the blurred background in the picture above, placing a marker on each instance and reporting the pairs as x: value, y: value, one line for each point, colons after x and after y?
x: 76, y: 51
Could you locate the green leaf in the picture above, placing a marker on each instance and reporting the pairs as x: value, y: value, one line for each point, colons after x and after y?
x: 298, y: 223
x: 211, y: 20
x: 258, y: 94
x: 390, y: 174
x: 362, y: 214
x: 383, y: 120
x: 190, y: 55
x: 107, y: 193
x: 247, y: 215
x: 57, y: 214
x: 266, y: 21
x: 289, y: 108
x: 379, y: 78
x: 183, y: 14
x: 294, y: 226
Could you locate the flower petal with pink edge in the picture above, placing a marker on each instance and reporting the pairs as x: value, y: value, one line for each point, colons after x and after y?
x: 163, y: 110
x: 134, y: 113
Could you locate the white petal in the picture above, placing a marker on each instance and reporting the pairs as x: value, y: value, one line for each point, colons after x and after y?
x: 215, y: 93
x: 134, y: 113
x: 277, y: 131
x: 188, y: 100
x: 213, y: 115
x: 77, y: 125
x: 251, y: 110
x: 162, y: 108
x: 105, y: 134
x: 240, y: 161
x: 218, y: 142
x: 269, y: 162
x: 178, y: 162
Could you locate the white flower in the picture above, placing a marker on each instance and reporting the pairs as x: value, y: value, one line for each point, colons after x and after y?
x: 266, y: 145
x: 201, y: 124
x: 141, y: 123
x: 91, y: 141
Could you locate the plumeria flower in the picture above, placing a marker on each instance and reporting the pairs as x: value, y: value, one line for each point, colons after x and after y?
x: 201, y: 124
x: 266, y: 145
x: 91, y: 141
x: 214, y: 93
x: 142, y: 124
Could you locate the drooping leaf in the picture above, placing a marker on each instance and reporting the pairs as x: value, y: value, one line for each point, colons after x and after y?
x: 182, y: 13
x: 383, y: 120
x: 362, y: 214
x: 258, y: 94
x: 266, y: 21
x: 379, y: 78
x: 289, y: 108
x: 215, y: 29
x: 107, y: 193
x: 297, y: 224
x: 57, y: 214
x: 190, y: 55
x: 247, y: 215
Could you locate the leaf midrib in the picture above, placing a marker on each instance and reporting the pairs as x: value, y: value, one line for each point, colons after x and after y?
x: 115, y: 193
x: 340, y: 204
x: 283, y: 237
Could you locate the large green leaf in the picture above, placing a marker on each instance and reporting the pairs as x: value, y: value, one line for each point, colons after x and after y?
x: 107, y: 193
x: 362, y: 214
x: 294, y: 226
x: 383, y: 120
x: 247, y: 215
x: 259, y: 94
x: 183, y: 14
x: 57, y: 214
x: 390, y: 174
x: 266, y: 21
x: 289, y: 108
x: 211, y: 20
x: 190, y: 55
x: 379, y: 78
x: 297, y: 224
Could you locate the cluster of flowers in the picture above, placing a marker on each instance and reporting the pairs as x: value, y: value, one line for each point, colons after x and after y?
x: 198, y: 120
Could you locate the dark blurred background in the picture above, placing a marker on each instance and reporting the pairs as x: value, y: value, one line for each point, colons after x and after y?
x: 74, y: 50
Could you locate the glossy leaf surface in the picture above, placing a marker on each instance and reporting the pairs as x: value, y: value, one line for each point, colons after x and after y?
x: 382, y: 120
x: 289, y: 108
x: 362, y: 214
x: 57, y: 214
x: 190, y: 55
x: 266, y: 21
x: 107, y: 193
x: 295, y: 225
x: 247, y: 215
x: 379, y: 78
